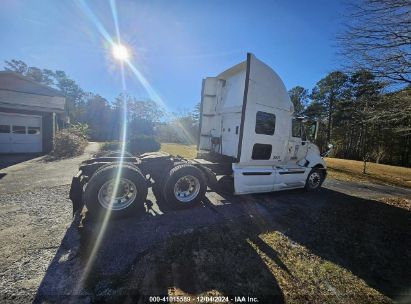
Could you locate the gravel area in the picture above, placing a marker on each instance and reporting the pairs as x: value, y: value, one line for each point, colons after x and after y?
x: 35, y: 213
x: 31, y: 230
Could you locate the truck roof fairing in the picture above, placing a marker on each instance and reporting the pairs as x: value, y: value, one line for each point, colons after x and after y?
x: 266, y: 77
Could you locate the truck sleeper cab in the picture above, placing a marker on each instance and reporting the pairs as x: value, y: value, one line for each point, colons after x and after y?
x: 246, y: 114
x: 247, y: 130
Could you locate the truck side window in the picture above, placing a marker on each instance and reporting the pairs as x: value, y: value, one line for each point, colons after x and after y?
x: 265, y: 123
x: 296, y: 128
x: 261, y: 151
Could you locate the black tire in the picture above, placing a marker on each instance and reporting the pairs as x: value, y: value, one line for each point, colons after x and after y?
x: 176, y: 175
x: 131, y: 176
x: 314, y: 180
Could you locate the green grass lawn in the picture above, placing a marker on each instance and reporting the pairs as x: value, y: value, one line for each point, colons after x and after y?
x: 345, y: 169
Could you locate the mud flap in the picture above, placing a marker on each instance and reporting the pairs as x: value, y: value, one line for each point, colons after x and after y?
x: 76, y: 193
x: 211, y: 178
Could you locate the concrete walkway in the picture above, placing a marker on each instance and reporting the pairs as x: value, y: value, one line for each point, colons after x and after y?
x: 39, y: 172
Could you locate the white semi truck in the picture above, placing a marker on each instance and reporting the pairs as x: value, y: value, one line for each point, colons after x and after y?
x: 247, y: 131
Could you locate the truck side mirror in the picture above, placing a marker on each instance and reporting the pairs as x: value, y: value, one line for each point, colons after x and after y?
x: 328, y: 152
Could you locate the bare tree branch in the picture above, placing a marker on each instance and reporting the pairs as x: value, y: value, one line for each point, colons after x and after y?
x: 378, y: 38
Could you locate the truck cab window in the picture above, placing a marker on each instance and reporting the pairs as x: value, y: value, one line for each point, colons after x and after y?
x: 261, y: 152
x: 265, y: 123
x: 296, y: 128
x: 310, y: 130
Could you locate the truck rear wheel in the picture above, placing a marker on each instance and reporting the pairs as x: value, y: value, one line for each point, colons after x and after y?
x: 123, y: 195
x: 184, y: 187
x: 314, y: 180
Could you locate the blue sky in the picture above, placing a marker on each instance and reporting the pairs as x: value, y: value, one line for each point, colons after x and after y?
x: 174, y: 43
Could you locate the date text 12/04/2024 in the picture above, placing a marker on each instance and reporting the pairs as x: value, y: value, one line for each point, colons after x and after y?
x: 203, y: 299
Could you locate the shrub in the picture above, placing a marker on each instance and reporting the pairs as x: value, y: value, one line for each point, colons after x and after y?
x: 111, y: 146
x: 139, y: 144
x: 81, y: 130
x: 68, y: 144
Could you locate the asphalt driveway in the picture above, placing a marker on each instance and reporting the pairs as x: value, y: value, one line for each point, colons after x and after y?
x: 40, y: 171
x: 7, y: 160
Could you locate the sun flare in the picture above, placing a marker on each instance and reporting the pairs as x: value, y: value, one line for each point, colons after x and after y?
x: 120, y: 52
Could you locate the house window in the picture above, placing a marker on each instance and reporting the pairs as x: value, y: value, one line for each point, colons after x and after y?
x: 261, y: 152
x: 4, y: 129
x: 265, y: 123
x: 296, y: 127
x: 33, y: 130
x: 19, y: 130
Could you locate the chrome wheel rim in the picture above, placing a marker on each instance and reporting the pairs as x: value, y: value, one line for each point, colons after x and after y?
x: 314, y: 180
x: 186, y: 188
x: 124, y: 196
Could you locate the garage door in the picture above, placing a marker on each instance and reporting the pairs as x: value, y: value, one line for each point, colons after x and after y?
x: 20, y: 133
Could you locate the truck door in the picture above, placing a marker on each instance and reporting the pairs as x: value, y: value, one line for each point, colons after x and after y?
x: 263, y: 145
x: 298, y: 143
x: 230, y: 130
x: 268, y: 131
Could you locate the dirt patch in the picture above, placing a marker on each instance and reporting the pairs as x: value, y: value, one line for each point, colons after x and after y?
x: 211, y: 262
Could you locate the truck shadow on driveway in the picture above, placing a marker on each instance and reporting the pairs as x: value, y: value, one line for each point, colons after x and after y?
x: 369, y: 238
